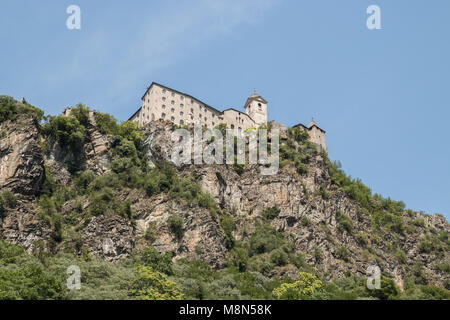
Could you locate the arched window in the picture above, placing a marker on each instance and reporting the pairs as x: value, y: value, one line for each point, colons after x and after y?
x: 163, y: 115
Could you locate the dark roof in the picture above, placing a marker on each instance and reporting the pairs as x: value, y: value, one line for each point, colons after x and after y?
x: 135, y: 113
x: 306, y: 128
x: 300, y: 125
x: 315, y: 125
x: 256, y: 97
x: 182, y: 93
x: 239, y: 112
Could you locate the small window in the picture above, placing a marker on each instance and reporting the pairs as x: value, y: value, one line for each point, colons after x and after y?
x: 213, y: 124
x: 181, y: 121
x: 192, y: 101
x: 172, y: 102
x: 192, y: 110
x: 172, y: 119
x: 163, y: 116
x: 164, y: 91
x: 181, y: 105
x: 232, y: 126
x: 172, y: 110
x: 164, y: 106
x: 192, y: 117
x: 181, y: 113
x: 173, y: 94
x: 206, y: 119
x: 200, y: 116
x: 164, y: 99
x: 182, y: 98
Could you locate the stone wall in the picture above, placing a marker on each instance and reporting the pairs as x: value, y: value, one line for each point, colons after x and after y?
x: 162, y: 103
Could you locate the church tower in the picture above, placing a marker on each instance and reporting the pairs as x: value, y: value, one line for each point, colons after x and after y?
x: 256, y: 108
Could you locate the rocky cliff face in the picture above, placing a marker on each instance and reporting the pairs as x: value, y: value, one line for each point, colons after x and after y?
x: 309, y: 204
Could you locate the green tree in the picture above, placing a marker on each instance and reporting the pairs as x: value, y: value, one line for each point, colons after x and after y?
x: 304, y: 288
x: 153, y: 285
x: 176, y: 226
x: 239, y: 258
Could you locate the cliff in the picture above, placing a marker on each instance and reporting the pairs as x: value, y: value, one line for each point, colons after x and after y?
x: 108, y: 191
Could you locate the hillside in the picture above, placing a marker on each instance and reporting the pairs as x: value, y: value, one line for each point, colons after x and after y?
x: 84, y: 190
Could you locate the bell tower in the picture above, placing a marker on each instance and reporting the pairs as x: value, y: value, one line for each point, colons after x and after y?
x: 256, y: 108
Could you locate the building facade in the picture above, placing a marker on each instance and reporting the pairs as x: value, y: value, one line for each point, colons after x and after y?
x: 161, y: 102
x: 316, y: 134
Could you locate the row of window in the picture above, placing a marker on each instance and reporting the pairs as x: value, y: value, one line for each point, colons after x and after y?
x: 192, y: 111
x: 163, y: 116
x: 164, y: 99
x: 172, y: 118
x: 239, y: 120
x: 164, y: 91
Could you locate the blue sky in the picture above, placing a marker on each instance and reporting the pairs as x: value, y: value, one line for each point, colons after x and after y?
x: 383, y: 96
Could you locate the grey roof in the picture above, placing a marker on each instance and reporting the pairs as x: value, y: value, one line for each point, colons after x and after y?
x: 310, y: 126
x: 181, y: 93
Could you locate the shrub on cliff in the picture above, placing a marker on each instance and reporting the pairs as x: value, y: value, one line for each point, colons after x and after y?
x: 10, y: 109
x: 238, y: 257
x: 271, y: 213
x: 344, y: 222
x: 7, y: 200
x: 159, y: 262
x: 176, y: 226
x: 265, y: 239
x: 67, y: 129
x: 106, y: 123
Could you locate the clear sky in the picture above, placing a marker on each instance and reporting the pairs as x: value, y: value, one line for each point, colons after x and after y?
x: 383, y: 96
